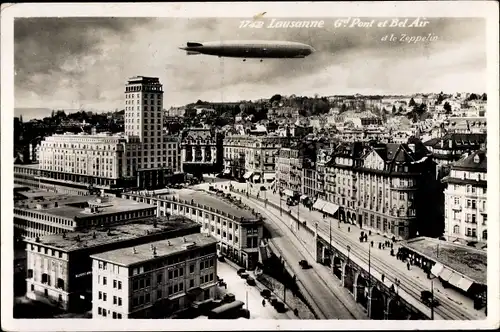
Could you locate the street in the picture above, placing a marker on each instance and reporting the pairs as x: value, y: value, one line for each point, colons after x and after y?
x: 453, y: 304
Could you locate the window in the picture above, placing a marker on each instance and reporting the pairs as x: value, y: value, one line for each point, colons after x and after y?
x: 170, y: 274
x: 115, y: 300
x: 114, y: 284
x: 114, y: 315
x: 99, y: 311
x: 119, y: 301
x: 104, y: 280
x: 147, y: 298
x: 104, y: 297
x: 119, y: 285
x: 191, y: 268
x: 119, y: 316
x: 485, y: 235
x: 456, y: 229
x: 158, y: 294
x: 159, y: 278
x: 457, y: 201
x: 181, y: 271
x: 100, y: 295
x: 191, y: 283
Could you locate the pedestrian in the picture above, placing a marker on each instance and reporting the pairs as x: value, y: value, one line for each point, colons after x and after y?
x: 380, y: 245
x: 263, y: 303
x: 349, y: 229
x: 372, y: 244
x: 408, y: 265
x: 383, y: 246
x: 392, y: 245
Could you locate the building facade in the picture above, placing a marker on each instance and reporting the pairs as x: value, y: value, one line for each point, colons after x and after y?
x: 289, y: 171
x: 382, y: 187
x: 201, y: 151
x: 139, y: 157
x: 59, y: 268
x: 237, y: 231
x: 259, y: 154
x: 465, y: 200
x: 154, y: 280
x: 40, y: 213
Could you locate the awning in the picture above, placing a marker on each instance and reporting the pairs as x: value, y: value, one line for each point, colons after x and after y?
x: 256, y: 177
x: 455, y: 279
x: 436, y: 269
x: 446, y: 274
x: 330, y: 208
x: 288, y: 192
x: 464, y: 284
x: 227, y: 171
x: 269, y: 176
x: 303, y: 197
x: 247, y: 175
x: 318, y: 205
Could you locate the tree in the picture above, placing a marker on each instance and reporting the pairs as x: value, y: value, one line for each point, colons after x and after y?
x: 400, y: 110
x: 484, y: 97
x: 412, y: 102
x: 343, y: 108
x: 393, y: 109
x: 276, y: 97
x: 440, y: 98
x: 473, y: 96
x: 447, y: 107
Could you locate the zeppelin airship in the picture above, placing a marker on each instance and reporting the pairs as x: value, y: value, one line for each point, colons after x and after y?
x: 250, y: 49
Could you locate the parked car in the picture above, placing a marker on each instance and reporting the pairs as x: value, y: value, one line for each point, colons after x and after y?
x: 251, y: 281
x: 304, y: 264
x: 265, y: 293
x: 279, y: 306
x: 240, y: 271
x: 229, y: 297
x: 428, y: 299
x: 221, y: 258
x: 273, y: 300
x: 211, y: 188
x: 244, y: 275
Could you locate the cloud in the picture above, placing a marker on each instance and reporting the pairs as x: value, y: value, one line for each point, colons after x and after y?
x: 75, y: 62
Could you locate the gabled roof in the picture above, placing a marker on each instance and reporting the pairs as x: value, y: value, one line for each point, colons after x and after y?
x: 476, y: 161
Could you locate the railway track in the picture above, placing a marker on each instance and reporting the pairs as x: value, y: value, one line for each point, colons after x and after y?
x: 447, y: 309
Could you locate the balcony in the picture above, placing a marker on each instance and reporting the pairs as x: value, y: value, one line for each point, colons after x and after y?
x: 456, y: 207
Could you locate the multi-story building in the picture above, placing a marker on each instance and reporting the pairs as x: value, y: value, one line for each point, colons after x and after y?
x: 237, y: 230
x: 259, y: 154
x: 465, y: 200
x: 59, y: 267
x: 382, y: 187
x: 154, y: 280
x: 451, y: 147
x: 289, y: 171
x: 43, y: 213
x: 139, y: 157
x: 201, y: 151
x: 466, y: 125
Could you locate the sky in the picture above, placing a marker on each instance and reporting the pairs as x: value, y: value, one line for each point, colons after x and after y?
x: 74, y: 63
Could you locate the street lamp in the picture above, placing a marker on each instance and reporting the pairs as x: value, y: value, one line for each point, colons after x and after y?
x: 348, y: 252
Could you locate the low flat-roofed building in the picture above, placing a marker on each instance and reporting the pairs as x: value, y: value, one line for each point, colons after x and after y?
x: 59, y: 265
x: 154, y: 280
x: 43, y: 213
x: 462, y: 267
x: 238, y: 230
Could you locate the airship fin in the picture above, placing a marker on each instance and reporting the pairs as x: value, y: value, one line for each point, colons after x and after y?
x: 192, y: 44
x: 192, y: 53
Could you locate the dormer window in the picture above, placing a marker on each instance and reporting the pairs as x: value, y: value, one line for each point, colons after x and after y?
x: 476, y: 159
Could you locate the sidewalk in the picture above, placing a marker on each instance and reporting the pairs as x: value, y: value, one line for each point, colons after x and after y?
x: 415, y: 273
x: 238, y: 287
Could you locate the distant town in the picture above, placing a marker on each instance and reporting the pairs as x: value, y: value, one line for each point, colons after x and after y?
x: 224, y: 210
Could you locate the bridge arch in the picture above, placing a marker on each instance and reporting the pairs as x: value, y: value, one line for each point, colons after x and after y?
x: 396, y: 310
x: 337, y: 267
x: 362, y: 291
x: 349, y: 278
x: 377, y: 304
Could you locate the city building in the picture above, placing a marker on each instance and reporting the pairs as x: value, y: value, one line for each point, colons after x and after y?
x: 313, y: 178
x: 201, y: 151
x: 451, y: 147
x: 466, y: 125
x: 38, y: 213
x: 465, y: 200
x: 259, y: 154
x: 142, y: 156
x: 382, y: 187
x: 59, y: 267
x: 238, y: 230
x: 289, y: 171
x: 154, y: 280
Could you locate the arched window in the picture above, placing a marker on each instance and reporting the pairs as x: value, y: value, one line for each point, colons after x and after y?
x: 456, y: 229
x: 485, y: 235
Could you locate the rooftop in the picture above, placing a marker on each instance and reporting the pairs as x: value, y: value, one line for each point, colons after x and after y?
x: 73, y: 241
x: 144, y: 252
x: 211, y: 200
x: 68, y: 206
x: 466, y: 260
x: 476, y: 161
